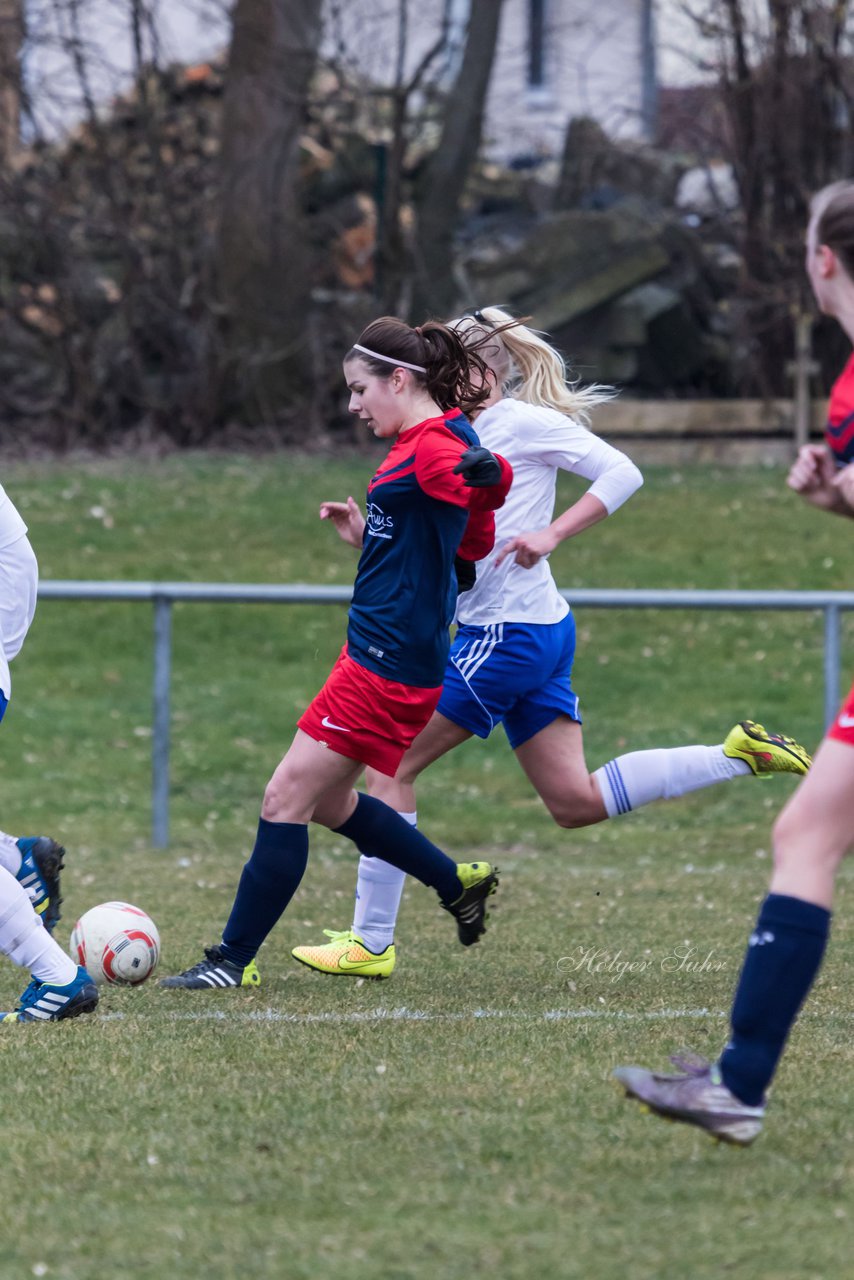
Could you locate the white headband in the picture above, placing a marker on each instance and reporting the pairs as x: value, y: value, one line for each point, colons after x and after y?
x: 399, y: 364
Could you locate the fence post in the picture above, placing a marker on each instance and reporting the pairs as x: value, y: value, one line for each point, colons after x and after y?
x: 160, y: 729
x: 832, y: 659
x: 801, y: 370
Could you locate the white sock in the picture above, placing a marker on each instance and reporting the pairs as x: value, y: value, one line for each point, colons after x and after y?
x: 24, y: 939
x: 10, y: 854
x: 378, y: 892
x: 640, y: 777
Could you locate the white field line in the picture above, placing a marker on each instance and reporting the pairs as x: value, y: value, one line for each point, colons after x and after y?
x: 420, y: 1015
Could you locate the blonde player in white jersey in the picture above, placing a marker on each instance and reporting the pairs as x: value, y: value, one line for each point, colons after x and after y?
x: 511, y: 660
x: 29, y: 867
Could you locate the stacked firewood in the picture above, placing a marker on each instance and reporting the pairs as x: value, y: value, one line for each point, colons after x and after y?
x: 106, y: 311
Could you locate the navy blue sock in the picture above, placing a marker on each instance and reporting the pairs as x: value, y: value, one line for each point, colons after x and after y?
x: 267, y: 883
x: 380, y: 832
x: 783, y: 958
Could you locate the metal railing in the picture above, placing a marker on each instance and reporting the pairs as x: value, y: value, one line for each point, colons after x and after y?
x: 163, y: 595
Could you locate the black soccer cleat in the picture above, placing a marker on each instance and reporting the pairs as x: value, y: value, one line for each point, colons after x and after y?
x: 479, y: 882
x: 215, y: 973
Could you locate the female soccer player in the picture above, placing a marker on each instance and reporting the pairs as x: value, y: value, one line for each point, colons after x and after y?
x: 816, y: 827
x: 435, y: 485
x: 512, y: 657
x: 29, y: 867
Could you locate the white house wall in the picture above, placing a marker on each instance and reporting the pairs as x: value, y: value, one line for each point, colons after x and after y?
x: 592, y: 67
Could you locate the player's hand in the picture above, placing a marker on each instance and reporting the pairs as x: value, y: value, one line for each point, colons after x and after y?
x: 812, y: 476
x: 478, y: 467
x: 347, y: 518
x: 529, y: 548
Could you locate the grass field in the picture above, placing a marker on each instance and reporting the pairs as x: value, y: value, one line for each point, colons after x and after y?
x: 458, y: 1120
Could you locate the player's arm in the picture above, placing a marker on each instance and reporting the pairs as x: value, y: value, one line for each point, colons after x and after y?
x: 531, y: 547
x: 348, y: 520
x: 843, y: 483
x: 614, y: 479
x: 452, y: 472
x: 478, y: 537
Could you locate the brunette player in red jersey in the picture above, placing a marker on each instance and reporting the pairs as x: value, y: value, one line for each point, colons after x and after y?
x: 816, y: 826
x: 436, y: 487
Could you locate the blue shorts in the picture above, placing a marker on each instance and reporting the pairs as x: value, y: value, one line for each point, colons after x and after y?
x: 512, y: 674
x: 3, y: 704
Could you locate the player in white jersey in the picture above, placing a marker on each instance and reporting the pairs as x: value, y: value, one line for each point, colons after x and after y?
x: 511, y: 660
x: 30, y: 866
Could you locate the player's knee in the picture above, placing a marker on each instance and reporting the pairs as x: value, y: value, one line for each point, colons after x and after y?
x: 800, y: 839
x: 279, y: 795
x: 271, y: 804
x: 571, y: 812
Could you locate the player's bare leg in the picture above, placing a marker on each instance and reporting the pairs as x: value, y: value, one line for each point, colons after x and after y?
x: 366, y: 950
x: 553, y: 760
x: 815, y: 828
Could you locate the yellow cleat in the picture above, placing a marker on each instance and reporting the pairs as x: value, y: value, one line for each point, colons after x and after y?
x: 346, y: 956
x: 766, y: 752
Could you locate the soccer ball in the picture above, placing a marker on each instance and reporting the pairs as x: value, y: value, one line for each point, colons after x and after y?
x: 116, y: 943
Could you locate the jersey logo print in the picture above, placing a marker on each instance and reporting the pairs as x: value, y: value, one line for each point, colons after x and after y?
x: 844, y: 721
x: 379, y: 524
x: 327, y: 724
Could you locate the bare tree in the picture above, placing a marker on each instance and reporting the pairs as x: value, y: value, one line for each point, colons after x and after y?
x: 260, y: 263
x: 784, y: 77
x: 442, y: 183
x: 11, y: 44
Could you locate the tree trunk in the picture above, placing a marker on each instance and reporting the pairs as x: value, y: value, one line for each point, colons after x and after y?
x: 11, y: 41
x: 443, y: 181
x: 261, y: 262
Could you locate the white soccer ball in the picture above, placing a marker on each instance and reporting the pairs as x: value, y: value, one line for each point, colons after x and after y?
x: 116, y: 943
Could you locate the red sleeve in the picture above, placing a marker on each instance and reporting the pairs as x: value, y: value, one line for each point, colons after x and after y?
x: 479, y: 536
x: 435, y: 458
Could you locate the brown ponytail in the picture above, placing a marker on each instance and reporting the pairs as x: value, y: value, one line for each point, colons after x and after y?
x: 453, y: 374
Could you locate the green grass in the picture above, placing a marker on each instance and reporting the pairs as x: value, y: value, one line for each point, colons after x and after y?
x: 315, y: 1127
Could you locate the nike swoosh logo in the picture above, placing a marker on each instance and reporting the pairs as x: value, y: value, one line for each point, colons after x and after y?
x: 327, y: 724
x: 845, y: 722
x: 345, y: 964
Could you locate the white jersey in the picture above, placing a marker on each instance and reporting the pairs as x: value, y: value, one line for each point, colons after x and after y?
x: 18, y: 586
x: 537, y: 442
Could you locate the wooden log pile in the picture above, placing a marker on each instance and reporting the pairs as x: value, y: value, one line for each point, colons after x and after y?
x: 102, y: 242
x: 107, y: 308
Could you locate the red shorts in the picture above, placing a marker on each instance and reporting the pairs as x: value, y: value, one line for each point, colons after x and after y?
x: 842, y: 728
x: 364, y: 717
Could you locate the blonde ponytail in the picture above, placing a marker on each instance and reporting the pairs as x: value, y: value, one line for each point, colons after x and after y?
x: 527, y: 367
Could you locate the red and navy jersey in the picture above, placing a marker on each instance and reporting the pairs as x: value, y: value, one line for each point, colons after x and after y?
x: 839, y: 432
x: 416, y: 515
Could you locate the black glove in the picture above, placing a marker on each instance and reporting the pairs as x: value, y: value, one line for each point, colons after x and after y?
x: 466, y: 572
x: 479, y: 468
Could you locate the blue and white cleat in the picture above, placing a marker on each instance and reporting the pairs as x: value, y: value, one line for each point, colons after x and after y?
x: 41, y: 863
x: 44, y: 1002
